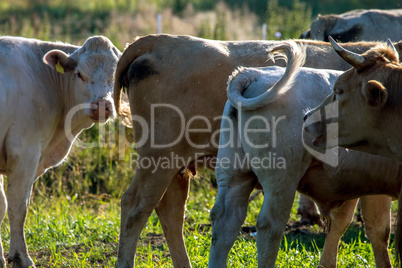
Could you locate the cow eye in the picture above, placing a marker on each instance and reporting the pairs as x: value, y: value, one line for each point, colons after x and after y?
x: 338, y: 91
x: 80, y: 76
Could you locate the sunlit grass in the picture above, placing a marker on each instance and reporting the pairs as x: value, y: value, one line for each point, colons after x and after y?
x: 83, y: 232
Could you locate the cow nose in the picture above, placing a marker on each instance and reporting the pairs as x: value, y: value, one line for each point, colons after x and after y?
x: 100, y: 110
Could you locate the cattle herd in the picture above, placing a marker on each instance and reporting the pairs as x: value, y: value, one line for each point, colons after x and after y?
x: 304, y: 115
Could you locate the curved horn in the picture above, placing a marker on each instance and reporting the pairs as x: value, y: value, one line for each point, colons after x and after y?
x: 352, y: 58
x: 390, y: 45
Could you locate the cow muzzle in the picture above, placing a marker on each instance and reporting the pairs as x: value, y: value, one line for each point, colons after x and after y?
x: 100, y: 110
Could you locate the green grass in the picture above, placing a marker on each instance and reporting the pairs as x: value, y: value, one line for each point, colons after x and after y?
x: 83, y: 232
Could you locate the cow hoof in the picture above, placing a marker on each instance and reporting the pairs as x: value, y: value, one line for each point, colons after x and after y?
x: 20, y: 263
x: 15, y: 265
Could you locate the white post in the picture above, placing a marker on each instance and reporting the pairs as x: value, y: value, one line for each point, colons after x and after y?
x: 159, y: 23
x: 264, y: 31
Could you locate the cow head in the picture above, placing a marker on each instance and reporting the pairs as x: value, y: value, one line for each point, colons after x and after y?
x: 362, y: 103
x: 346, y: 27
x: 91, y: 75
x: 319, y: 27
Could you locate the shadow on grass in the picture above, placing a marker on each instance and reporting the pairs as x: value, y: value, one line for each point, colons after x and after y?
x: 313, y: 239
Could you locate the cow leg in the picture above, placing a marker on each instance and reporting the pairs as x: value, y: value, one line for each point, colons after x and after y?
x: 20, y: 179
x: 308, y: 211
x: 376, y: 212
x: 228, y: 214
x: 137, y: 203
x: 275, y: 211
x: 340, y: 218
x: 3, y: 209
x: 171, y: 211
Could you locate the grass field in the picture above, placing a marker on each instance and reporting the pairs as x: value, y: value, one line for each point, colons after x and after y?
x: 74, y: 218
x: 83, y: 232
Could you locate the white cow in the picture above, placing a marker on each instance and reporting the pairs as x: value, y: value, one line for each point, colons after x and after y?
x: 49, y: 93
x: 357, y: 25
x: 267, y: 135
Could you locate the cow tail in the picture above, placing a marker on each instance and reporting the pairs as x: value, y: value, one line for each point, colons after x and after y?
x: 139, y: 47
x: 398, y: 234
x: 242, y: 78
x: 125, y: 60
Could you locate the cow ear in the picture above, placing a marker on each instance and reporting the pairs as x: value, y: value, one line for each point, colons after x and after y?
x: 59, y: 61
x: 375, y: 93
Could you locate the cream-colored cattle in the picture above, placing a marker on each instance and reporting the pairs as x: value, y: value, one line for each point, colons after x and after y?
x: 176, y: 87
x: 264, y: 129
x: 364, y: 105
x: 364, y: 108
x: 352, y: 26
x: 49, y: 93
x: 375, y: 179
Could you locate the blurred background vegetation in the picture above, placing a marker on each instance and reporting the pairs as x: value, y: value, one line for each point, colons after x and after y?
x: 100, y: 173
x: 122, y: 20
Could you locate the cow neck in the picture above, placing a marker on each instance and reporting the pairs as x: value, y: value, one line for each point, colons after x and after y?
x: 59, y: 94
x: 393, y: 133
x: 63, y: 137
x: 63, y: 97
